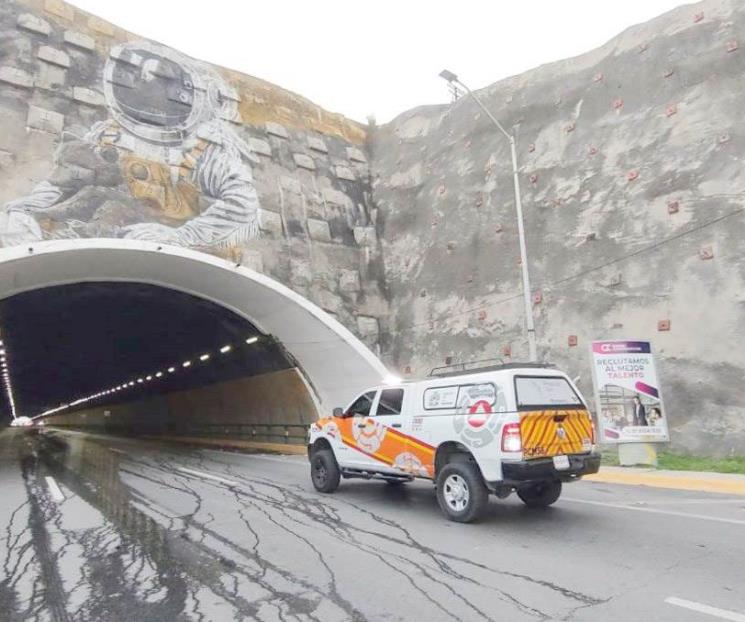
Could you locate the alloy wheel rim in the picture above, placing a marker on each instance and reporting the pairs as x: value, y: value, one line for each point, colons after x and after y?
x: 456, y: 493
x: 320, y: 472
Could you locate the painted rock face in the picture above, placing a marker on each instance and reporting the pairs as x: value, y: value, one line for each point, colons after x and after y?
x: 151, y: 89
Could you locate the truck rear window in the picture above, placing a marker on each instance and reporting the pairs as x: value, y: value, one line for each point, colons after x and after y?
x: 545, y: 392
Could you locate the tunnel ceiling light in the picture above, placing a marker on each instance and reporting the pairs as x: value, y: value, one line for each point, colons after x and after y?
x: 7, y: 380
x: 127, y: 384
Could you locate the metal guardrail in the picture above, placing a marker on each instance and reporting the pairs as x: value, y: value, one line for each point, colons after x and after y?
x: 289, y: 433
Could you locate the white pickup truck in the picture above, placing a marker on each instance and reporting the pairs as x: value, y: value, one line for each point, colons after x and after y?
x: 516, y: 427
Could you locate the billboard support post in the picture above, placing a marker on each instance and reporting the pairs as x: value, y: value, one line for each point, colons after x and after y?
x: 633, y: 454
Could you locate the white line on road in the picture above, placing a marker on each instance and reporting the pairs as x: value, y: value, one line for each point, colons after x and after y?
x: 635, y: 508
x: 740, y: 501
x: 54, y: 490
x: 230, y: 482
x: 257, y: 457
x: 707, y: 609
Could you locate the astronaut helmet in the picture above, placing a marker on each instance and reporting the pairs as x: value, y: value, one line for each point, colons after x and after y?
x: 158, y: 94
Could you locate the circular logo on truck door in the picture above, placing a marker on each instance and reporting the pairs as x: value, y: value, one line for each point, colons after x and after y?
x: 368, y: 433
x: 476, y: 419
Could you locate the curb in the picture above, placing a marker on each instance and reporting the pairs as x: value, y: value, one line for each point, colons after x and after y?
x: 699, y: 482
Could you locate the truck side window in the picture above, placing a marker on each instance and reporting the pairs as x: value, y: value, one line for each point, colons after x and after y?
x: 361, y: 406
x: 390, y: 402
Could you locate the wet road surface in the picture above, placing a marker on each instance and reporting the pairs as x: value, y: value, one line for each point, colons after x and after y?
x: 104, y: 529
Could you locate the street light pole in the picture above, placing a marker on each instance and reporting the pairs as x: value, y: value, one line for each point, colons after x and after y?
x: 529, y: 324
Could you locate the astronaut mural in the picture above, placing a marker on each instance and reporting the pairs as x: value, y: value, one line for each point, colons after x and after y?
x: 166, y: 166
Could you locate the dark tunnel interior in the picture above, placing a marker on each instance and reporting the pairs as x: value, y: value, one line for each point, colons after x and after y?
x: 67, y: 342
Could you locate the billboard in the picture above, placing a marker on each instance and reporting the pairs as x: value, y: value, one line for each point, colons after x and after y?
x: 627, y: 393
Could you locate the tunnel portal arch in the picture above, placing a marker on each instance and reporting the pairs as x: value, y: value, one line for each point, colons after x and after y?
x: 331, y: 360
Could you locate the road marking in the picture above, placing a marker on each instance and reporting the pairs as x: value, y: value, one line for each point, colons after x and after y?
x: 636, y: 508
x: 54, y: 490
x: 119, y: 451
x: 693, y: 502
x: 707, y: 609
x: 282, y: 460
x: 270, y: 458
x: 230, y: 482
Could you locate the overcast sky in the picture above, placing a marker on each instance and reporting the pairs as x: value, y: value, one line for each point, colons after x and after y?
x: 377, y: 57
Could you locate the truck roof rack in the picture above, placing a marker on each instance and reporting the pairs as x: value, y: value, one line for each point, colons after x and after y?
x: 457, y: 369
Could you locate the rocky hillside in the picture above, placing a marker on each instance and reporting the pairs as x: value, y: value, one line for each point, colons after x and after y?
x: 633, y: 189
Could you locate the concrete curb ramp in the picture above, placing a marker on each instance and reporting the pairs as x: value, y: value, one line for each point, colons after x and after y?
x: 724, y: 483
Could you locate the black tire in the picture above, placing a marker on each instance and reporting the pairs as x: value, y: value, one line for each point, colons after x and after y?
x: 324, y: 472
x: 461, y: 492
x: 540, y: 495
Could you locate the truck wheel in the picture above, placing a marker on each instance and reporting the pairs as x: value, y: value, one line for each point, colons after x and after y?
x: 540, y: 495
x: 324, y: 472
x: 461, y: 492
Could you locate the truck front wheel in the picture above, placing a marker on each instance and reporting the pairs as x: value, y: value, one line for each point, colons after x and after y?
x: 540, y: 495
x: 324, y: 471
x: 461, y: 492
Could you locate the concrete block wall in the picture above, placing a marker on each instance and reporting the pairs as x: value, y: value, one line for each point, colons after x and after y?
x: 633, y: 190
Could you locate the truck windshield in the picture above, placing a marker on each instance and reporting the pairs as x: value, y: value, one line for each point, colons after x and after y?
x: 545, y: 392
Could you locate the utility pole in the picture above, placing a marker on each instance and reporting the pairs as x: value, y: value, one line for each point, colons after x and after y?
x: 529, y: 323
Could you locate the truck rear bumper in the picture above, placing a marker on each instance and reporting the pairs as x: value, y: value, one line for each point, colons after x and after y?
x: 542, y: 469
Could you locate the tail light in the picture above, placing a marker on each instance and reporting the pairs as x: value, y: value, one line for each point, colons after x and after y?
x: 511, y: 439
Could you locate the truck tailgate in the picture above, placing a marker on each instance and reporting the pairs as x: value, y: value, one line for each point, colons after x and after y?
x: 548, y: 433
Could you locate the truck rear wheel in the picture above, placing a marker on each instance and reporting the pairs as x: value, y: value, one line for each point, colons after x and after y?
x: 461, y: 492
x: 540, y: 495
x: 324, y: 471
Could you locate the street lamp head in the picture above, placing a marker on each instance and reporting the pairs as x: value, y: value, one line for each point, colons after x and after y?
x: 448, y: 75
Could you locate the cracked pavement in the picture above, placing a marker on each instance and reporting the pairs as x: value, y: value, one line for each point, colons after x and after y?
x: 156, y: 531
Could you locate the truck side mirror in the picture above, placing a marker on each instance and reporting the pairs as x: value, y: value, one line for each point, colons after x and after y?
x: 338, y: 412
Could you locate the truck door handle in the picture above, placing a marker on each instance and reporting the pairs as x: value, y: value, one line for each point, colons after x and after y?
x: 395, y: 425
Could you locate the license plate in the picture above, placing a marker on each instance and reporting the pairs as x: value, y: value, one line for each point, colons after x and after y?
x: 561, y: 463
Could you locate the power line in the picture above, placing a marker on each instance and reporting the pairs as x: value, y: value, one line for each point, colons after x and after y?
x: 552, y: 285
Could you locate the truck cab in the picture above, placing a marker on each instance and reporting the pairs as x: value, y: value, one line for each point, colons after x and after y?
x: 521, y: 428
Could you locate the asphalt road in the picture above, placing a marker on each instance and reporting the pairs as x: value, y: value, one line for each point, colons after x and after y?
x: 95, y: 528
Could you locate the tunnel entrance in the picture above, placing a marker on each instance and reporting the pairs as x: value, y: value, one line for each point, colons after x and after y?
x: 150, y: 337
x: 140, y: 351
